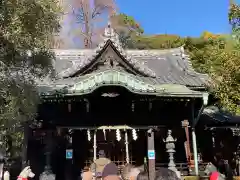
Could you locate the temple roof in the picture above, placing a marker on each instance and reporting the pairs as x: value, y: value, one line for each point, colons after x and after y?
x: 147, y: 69
x: 170, y: 66
x: 213, y: 116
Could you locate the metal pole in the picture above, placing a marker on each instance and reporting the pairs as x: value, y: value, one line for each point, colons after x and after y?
x: 94, y: 146
x: 195, y: 151
x: 126, y: 145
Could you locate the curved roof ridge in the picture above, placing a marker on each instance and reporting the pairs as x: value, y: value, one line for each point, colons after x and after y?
x: 109, y: 36
x: 154, y: 51
x: 190, y: 68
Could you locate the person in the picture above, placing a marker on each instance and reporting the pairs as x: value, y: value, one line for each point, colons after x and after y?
x: 161, y: 174
x: 142, y: 176
x: 130, y: 172
x: 86, y: 174
x: 110, y: 172
x: 215, y: 175
x: 223, y: 166
x: 98, y: 165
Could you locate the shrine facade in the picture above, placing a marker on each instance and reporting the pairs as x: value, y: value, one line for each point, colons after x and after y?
x: 105, y: 98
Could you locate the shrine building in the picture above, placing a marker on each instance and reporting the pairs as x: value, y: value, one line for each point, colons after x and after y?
x: 118, y: 101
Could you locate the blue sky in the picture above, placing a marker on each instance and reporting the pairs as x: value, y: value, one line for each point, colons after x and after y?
x: 182, y: 17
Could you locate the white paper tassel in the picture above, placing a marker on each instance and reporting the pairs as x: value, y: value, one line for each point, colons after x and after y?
x: 134, y: 134
x: 104, y: 134
x: 118, y: 136
x: 88, y: 135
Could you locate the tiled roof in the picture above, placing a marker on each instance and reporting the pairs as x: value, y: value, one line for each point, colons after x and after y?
x: 169, y: 66
x: 212, y: 115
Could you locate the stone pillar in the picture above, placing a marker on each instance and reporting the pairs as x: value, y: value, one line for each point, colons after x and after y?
x: 25, y: 144
x: 151, y: 155
x: 47, y: 174
x: 195, y: 153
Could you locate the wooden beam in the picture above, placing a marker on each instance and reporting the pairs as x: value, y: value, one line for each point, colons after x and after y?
x: 151, y: 155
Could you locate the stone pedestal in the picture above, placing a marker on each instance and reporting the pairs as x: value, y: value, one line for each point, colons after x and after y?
x: 47, y: 174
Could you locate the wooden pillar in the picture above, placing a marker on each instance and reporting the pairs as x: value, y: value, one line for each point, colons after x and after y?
x: 25, y: 144
x: 185, y: 125
x: 48, y: 150
x: 151, y: 155
x: 126, y: 147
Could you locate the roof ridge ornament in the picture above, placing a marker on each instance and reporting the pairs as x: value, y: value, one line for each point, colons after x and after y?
x: 110, y: 33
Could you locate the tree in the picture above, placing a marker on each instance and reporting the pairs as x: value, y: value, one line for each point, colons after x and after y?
x: 218, y: 55
x: 234, y: 19
x: 160, y: 41
x: 127, y: 28
x: 214, y: 54
x: 26, y: 31
x: 91, y: 15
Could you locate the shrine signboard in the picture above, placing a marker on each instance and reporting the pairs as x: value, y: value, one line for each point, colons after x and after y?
x: 69, y: 153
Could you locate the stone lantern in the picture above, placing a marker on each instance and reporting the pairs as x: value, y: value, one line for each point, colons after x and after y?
x: 47, y: 174
x: 170, y: 149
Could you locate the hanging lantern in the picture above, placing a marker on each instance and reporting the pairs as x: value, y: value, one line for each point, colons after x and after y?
x: 118, y: 135
x: 88, y: 135
x: 134, y: 134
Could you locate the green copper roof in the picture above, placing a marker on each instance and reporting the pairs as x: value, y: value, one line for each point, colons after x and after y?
x: 136, y: 84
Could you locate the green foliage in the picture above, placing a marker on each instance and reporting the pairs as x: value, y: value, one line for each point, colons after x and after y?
x: 26, y: 29
x: 213, y: 54
x: 158, y: 41
x: 127, y: 23
x: 222, y: 62
x: 127, y: 28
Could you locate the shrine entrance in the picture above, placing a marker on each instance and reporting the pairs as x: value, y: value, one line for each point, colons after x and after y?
x: 111, y: 86
x: 120, y: 144
x: 112, y: 120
